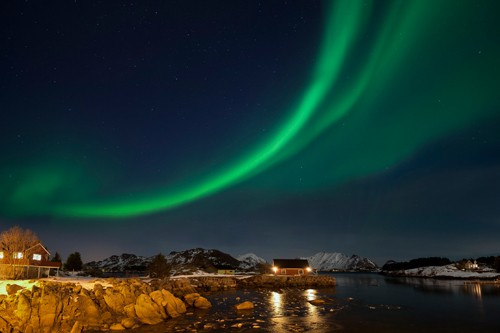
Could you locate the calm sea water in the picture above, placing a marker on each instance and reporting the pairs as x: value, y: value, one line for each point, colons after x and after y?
x: 359, y: 303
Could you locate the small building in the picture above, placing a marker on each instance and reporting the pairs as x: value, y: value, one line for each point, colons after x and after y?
x: 469, y: 265
x: 291, y: 267
x: 225, y: 269
x: 30, y: 263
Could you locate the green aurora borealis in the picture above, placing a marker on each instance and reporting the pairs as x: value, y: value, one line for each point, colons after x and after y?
x: 389, y: 78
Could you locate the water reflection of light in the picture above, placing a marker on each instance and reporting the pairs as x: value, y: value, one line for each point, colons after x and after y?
x: 311, y: 294
x: 311, y: 309
x: 277, y: 303
x: 476, y: 290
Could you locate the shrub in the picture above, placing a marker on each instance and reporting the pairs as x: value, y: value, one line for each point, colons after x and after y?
x: 159, y: 267
x: 74, y: 262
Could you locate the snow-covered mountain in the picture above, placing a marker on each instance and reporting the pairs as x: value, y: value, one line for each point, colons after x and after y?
x: 324, y: 261
x: 250, y: 261
x: 121, y: 263
x: 200, y: 259
x: 195, y: 260
x: 181, y: 262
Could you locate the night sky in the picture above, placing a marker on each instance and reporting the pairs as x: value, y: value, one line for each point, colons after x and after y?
x: 282, y: 128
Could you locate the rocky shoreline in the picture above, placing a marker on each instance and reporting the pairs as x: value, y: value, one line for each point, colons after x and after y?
x: 495, y: 279
x: 120, y: 304
x: 448, y: 272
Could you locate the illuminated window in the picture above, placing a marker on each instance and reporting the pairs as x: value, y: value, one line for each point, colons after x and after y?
x: 37, y: 256
x: 18, y: 255
x: 1, y: 254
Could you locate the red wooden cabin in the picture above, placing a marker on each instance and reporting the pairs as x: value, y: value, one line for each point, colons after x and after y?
x: 291, y: 267
x: 32, y: 262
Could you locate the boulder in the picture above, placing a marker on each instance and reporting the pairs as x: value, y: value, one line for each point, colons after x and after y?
x: 197, y: 301
x: 12, y: 289
x: 23, y: 308
x: 147, y: 311
x: 77, y: 288
x: 157, y: 297
x: 129, y: 322
x: 98, y: 290
x: 114, y: 300
x: 77, y: 327
x: 117, y: 327
x: 89, y: 310
x: 5, y: 326
x: 202, y: 303
x: 49, y: 307
x: 244, y: 306
x: 179, y: 287
x: 191, y: 298
x: 129, y: 310
x: 127, y: 290
x: 173, y: 303
x: 317, y: 302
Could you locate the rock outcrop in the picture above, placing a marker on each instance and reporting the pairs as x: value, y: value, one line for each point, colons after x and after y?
x: 247, y: 305
x: 271, y: 281
x: 66, y: 307
x: 124, y: 304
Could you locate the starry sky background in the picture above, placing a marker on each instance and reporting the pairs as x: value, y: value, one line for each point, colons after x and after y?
x: 282, y: 128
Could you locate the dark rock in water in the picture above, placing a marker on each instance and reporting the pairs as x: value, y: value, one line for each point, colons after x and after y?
x: 202, y: 303
x: 191, y: 298
x: 317, y: 302
x: 244, y: 306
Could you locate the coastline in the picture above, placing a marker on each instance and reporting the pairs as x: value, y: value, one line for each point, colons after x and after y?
x: 78, y: 305
x: 447, y: 272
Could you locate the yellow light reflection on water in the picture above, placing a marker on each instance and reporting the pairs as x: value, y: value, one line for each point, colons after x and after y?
x: 277, y: 303
x: 312, y: 310
x: 476, y: 290
x: 311, y: 294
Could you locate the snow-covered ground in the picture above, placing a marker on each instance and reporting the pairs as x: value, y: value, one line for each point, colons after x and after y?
x: 86, y: 282
x: 450, y: 271
x: 89, y: 282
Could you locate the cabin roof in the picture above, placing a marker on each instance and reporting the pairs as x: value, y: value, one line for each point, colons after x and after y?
x: 33, y: 248
x: 291, y: 263
x: 38, y: 245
